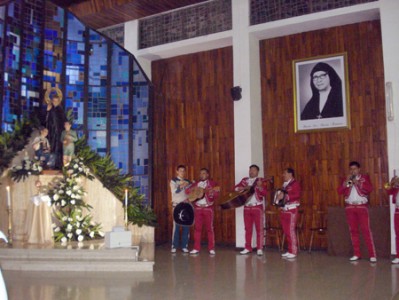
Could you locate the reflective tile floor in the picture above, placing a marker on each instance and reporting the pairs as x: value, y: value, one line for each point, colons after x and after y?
x: 227, y: 275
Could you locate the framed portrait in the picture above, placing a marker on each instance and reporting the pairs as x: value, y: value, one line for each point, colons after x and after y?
x: 321, y: 93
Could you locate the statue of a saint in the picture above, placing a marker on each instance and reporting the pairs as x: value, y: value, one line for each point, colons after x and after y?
x: 55, y: 119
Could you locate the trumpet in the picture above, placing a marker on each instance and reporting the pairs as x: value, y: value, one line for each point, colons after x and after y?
x: 394, y: 183
x: 350, y: 180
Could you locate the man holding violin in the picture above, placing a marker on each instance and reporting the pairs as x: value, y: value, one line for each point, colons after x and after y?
x: 205, y: 192
x: 253, y: 208
x: 356, y: 189
x: 289, y: 211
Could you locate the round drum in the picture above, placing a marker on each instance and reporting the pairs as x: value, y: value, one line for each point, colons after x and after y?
x: 183, y: 214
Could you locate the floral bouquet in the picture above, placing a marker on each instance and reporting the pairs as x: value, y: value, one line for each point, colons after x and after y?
x: 77, y: 168
x: 73, y: 226
x: 67, y: 192
x: 28, y: 167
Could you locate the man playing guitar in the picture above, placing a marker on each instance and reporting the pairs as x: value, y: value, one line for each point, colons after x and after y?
x: 253, y: 209
x: 204, y: 211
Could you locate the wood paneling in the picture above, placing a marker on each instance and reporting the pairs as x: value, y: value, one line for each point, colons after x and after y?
x: 321, y: 158
x: 193, y: 125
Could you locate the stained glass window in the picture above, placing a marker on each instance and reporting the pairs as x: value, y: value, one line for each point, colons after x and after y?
x: 108, y: 94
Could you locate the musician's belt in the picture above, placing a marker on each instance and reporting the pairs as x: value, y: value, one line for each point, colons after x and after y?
x: 290, y: 206
x: 253, y: 204
x: 202, y: 205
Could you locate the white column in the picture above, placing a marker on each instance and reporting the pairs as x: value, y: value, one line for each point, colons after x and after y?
x: 132, y: 45
x: 389, y: 10
x: 248, y: 147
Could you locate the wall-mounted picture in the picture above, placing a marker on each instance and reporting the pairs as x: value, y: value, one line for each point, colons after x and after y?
x: 321, y: 93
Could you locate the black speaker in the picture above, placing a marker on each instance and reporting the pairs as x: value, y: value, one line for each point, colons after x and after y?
x: 236, y: 93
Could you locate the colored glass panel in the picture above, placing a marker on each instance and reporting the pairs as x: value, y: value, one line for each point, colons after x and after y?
x: 97, y: 108
x: 120, y: 66
x: 140, y: 152
x: 53, y: 45
x: 142, y: 182
x: 98, y: 64
x: 12, y: 77
x: 97, y: 141
x: 76, y: 30
x: 119, y: 108
x: 120, y: 149
x: 32, y: 53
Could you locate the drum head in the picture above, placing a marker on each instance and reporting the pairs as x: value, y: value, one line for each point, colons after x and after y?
x: 183, y: 214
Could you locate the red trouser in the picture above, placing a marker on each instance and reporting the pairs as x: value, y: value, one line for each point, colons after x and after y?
x: 396, y: 225
x: 288, y: 219
x: 253, y: 215
x: 358, y: 215
x: 204, y: 216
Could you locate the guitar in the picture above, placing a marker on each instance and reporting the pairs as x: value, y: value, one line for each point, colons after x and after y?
x: 237, y: 198
x: 198, y: 193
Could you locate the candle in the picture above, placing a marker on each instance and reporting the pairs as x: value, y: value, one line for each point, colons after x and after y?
x: 126, y: 207
x: 8, y: 197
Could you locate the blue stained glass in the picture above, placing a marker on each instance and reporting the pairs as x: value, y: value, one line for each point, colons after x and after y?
x: 120, y: 149
x: 75, y: 53
x: 2, y: 12
x: 140, y: 152
x: 97, y: 108
x: 98, y: 64
x: 120, y: 66
x: 74, y: 100
x: 97, y: 141
x: 119, y: 108
x: 23, y: 74
x: 75, y: 29
x: 142, y: 182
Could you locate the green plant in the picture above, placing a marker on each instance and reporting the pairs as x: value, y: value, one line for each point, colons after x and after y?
x: 110, y: 176
x: 13, y: 142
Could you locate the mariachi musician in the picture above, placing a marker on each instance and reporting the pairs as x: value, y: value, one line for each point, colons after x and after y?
x: 289, y: 196
x: 356, y: 189
x: 393, y: 189
x: 177, y: 185
x: 253, y: 208
x: 206, y: 191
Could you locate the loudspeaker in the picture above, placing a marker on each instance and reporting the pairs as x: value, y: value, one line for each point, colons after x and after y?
x: 236, y: 93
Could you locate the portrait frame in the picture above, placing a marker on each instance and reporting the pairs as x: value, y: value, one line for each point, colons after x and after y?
x: 321, y: 100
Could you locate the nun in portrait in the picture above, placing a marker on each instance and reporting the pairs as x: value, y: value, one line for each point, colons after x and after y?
x: 326, y: 101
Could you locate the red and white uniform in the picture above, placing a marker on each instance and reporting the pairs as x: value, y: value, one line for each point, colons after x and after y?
x: 395, y: 199
x: 204, y: 213
x: 253, y: 211
x: 357, y: 213
x: 289, y: 214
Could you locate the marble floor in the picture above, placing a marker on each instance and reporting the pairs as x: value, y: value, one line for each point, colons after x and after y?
x: 227, y: 275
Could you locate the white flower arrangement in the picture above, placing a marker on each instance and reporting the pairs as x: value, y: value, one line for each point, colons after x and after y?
x: 67, y: 196
x: 28, y: 167
x: 77, y: 168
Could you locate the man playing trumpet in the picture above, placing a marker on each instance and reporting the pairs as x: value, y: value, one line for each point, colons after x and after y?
x: 356, y: 188
x: 393, y: 189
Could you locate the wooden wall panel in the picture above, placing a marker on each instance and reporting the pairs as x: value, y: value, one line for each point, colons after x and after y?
x: 193, y: 125
x: 321, y: 158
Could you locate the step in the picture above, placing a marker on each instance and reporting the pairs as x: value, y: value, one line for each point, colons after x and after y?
x: 74, y: 259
